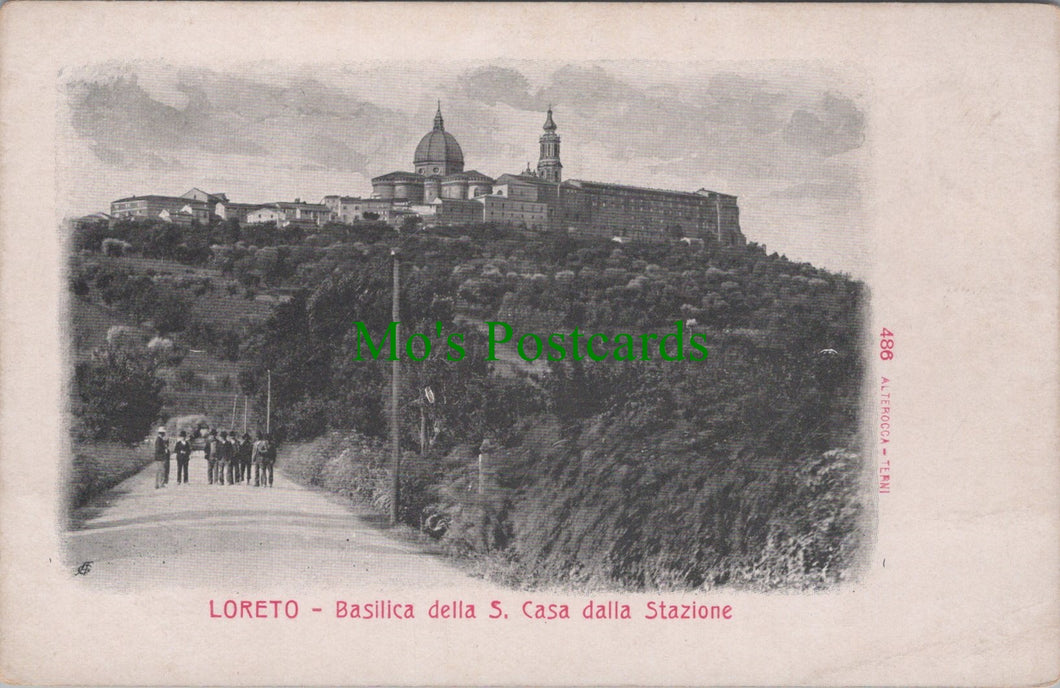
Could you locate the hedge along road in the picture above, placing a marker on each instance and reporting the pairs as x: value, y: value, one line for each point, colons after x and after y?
x: 237, y: 538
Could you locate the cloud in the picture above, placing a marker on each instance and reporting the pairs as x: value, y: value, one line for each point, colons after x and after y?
x: 157, y: 163
x: 836, y: 125
x: 782, y: 140
x: 749, y: 104
x: 492, y: 85
x: 303, y: 121
x: 121, y: 116
x: 591, y: 87
x: 107, y: 154
x: 331, y: 153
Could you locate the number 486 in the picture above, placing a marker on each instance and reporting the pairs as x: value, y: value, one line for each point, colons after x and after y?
x: 886, y: 344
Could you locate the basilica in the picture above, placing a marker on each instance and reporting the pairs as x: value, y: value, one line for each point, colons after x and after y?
x: 440, y: 191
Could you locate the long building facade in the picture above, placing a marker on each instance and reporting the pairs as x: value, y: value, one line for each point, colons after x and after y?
x: 439, y: 191
x: 639, y: 213
x: 540, y: 199
x: 152, y: 207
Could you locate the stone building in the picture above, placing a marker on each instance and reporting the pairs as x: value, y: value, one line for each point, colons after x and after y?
x: 227, y: 210
x: 541, y: 199
x: 440, y: 191
x: 151, y: 207
x: 639, y: 213
x: 352, y: 208
x: 439, y: 172
x: 286, y: 213
x: 519, y: 213
x: 212, y: 200
x: 448, y: 211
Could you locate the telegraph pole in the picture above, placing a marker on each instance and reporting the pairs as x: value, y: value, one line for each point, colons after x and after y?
x: 395, y: 387
x: 268, y: 402
x: 717, y: 216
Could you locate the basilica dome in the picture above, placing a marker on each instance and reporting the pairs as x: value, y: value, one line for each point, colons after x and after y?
x: 438, y: 152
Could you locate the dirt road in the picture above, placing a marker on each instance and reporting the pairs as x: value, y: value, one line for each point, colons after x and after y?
x: 243, y: 538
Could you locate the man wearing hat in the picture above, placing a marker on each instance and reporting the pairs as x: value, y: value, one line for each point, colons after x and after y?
x: 264, y: 458
x: 161, y: 458
x: 244, y: 451
x: 183, y: 451
x: 225, y: 459
x: 212, y: 451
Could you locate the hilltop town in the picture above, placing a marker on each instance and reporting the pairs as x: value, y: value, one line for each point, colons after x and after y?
x: 439, y: 191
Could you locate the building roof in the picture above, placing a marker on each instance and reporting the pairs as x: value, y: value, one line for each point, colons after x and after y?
x: 456, y: 202
x: 439, y: 146
x: 156, y: 197
x: 302, y: 205
x: 470, y: 175
x: 212, y: 197
x: 347, y: 199
x: 549, y: 124
x: 398, y: 177
x: 708, y: 192
x: 583, y: 184
x: 526, y: 178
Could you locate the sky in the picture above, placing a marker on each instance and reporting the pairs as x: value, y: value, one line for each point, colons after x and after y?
x: 787, y: 139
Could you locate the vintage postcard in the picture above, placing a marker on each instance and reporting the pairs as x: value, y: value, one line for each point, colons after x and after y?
x: 558, y: 344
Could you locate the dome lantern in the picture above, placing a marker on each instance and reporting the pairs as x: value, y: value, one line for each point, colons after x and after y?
x: 439, y: 123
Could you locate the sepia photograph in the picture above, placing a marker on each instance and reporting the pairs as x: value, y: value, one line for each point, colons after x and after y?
x: 606, y: 373
x: 549, y: 344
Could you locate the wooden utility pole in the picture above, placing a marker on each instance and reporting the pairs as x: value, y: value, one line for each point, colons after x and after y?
x: 395, y: 387
x: 268, y: 402
x: 717, y: 216
x: 423, y: 429
x: 244, y: 414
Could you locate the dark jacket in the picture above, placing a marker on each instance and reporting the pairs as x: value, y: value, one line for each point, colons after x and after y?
x: 264, y: 452
x: 182, y: 448
x: 161, y: 449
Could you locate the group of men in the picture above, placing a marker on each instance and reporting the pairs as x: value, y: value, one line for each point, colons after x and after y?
x: 228, y: 459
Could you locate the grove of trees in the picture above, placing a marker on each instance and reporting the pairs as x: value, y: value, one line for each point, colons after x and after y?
x: 746, y: 469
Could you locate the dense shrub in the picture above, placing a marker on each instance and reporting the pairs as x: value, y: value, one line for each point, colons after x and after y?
x: 119, y: 394
x: 98, y: 466
x: 741, y: 470
x: 357, y: 467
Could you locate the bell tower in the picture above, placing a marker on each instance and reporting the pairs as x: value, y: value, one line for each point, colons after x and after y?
x: 548, y: 165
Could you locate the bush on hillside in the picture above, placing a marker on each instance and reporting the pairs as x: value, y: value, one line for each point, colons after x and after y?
x: 119, y: 394
x: 98, y: 466
x: 358, y: 468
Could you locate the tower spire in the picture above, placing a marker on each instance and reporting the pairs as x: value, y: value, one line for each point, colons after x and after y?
x: 549, y: 124
x: 439, y: 123
x: 548, y: 164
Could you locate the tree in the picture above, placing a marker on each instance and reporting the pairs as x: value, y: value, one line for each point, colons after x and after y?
x: 89, y: 235
x: 120, y: 395
x: 230, y: 230
x: 411, y: 223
